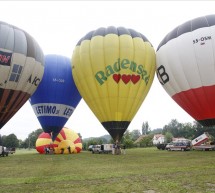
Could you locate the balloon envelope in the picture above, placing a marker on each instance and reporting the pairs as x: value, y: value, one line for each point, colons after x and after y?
x: 113, y: 69
x: 21, y: 69
x: 57, y: 96
x: 186, y: 67
x: 66, y: 138
x: 43, y: 141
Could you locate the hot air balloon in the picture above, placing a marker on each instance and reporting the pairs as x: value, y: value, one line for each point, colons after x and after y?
x: 186, y: 67
x: 21, y: 69
x: 57, y: 96
x: 43, y: 141
x: 113, y: 69
x: 67, y: 141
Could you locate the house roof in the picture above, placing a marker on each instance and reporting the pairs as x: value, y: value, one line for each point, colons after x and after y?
x: 156, y: 136
x: 140, y: 138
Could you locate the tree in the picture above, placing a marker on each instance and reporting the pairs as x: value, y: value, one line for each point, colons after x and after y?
x: 157, y: 131
x: 168, y: 137
x: 187, y: 131
x: 173, y: 127
x: 32, y: 138
x: 199, y: 129
x: 145, y: 128
x: 24, y: 144
x: 146, y: 141
x: 135, y: 134
x: 127, y: 139
x: 10, y: 141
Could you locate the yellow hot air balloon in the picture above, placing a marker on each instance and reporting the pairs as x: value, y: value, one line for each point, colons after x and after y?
x: 113, y: 69
x: 67, y: 139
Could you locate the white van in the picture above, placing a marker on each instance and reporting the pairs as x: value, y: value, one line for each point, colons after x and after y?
x: 104, y: 148
x: 3, y: 151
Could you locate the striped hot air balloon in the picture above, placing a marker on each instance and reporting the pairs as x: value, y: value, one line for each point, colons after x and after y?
x: 68, y: 138
x: 21, y: 69
x: 67, y: 141
x: 186, y: 67
x: 44, y: 140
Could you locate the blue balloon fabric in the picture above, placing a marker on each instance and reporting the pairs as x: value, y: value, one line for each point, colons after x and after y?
x: 57, y: 96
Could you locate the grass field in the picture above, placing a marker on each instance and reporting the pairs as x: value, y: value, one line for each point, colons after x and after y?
x: 145, y: 170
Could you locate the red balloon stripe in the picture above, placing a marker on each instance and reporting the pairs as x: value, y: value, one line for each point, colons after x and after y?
x: 78, y: 140
x: 198, y: 102
x: 44, y: 135
x: 63, y: 133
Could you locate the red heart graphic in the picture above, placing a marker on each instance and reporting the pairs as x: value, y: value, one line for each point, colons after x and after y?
x: 126, y: 78
x: 117, y: 77
x: 135, y: 78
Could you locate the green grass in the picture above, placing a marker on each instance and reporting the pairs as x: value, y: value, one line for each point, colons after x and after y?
x: 145, y: 170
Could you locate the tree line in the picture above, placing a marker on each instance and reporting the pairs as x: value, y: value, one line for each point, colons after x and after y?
x: 12, y: 140
x: 172, y: 129
x: 129, y: 139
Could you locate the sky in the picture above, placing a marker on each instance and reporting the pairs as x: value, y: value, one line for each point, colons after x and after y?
x: 58, y: 25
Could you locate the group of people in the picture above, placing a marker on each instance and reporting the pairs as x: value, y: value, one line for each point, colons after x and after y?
x: 68, y: 148
x: 48, y: 150
x: 118, y: 149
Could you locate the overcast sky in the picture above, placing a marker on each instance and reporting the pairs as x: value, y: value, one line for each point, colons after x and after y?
x: 58, y: 25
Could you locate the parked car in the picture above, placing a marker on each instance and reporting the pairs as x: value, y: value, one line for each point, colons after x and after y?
x: 90, y: 148
x: 161, y: 146
x: 96, y: 149
x: 3, y: 151
x: 104, y: 148
x: 171, y: 144
x: 179, y: 146
x: 12, y: 150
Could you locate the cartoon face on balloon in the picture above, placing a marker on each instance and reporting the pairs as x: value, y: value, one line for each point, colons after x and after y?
x: 185, y: 67
x: 113, y: 69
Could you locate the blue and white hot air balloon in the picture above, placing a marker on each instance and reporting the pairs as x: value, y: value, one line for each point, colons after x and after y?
x: 57, y: 96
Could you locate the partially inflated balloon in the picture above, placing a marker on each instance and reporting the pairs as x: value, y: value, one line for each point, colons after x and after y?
x: 21, y: 69
x: 113, y: 69
x: 186, y: 67
x: 44, y: 140
x: 57, y: 96
x: 68, y: 138
x: 67, y: 141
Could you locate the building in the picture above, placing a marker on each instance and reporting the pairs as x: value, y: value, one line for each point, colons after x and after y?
x: 158, y: 139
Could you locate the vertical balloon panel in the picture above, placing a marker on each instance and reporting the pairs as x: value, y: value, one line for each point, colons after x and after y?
x: 111, y: 50
x: 113, y: 69
x: 144, y: 54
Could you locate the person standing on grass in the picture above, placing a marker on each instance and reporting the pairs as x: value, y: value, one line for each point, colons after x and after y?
x: 118, y: 149
x: 123, y: 149
x: 69, y: 149
x: 113, y: 149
